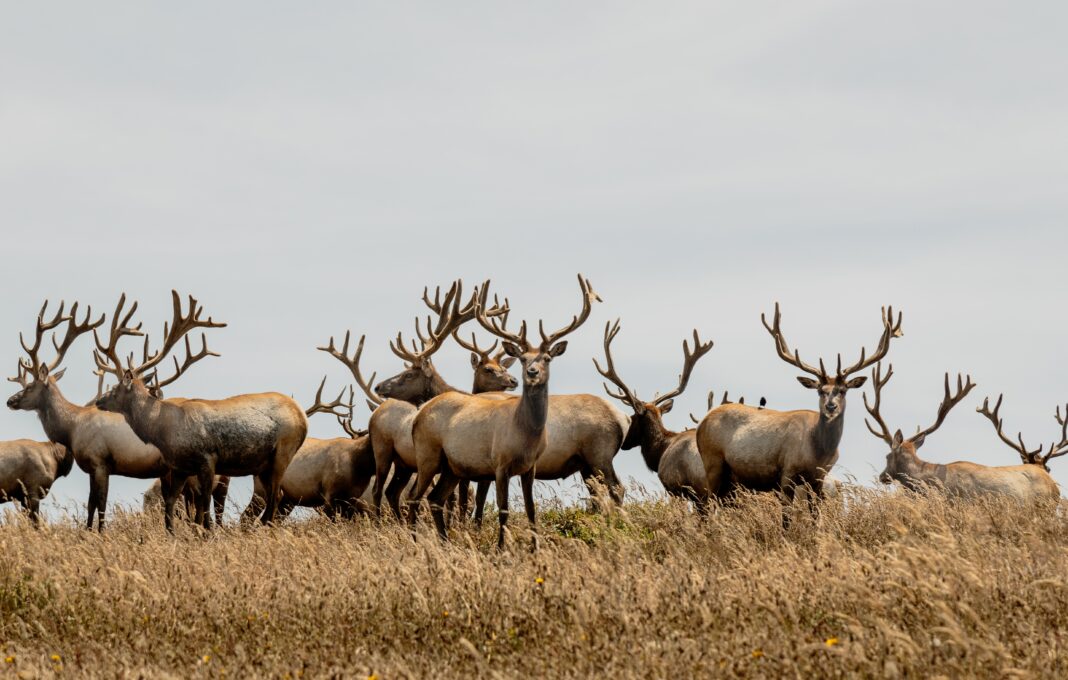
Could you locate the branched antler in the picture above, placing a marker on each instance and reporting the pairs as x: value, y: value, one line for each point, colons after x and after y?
x: 353, y: 364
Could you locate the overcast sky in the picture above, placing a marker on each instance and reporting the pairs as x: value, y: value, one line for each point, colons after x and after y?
x: 304, y: 171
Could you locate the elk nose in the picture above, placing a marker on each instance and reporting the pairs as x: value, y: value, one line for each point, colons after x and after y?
x: 532, y: 372
x: 11, y: 402
x: 832, y: 407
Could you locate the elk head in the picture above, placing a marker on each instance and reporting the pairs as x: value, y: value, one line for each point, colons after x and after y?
x: 832, y: 389
x: 1028, y: 456
x: 419, y: 381
x: 647, y: 420
x: 534, y: 359
x: 491, y: 370
x: 140, y: 382
x: 38, y: 377
x: 902, y: 458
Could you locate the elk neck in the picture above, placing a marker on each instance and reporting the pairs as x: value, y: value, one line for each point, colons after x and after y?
x: 827, y: 435
x: 533, y: 409
x: 64, y: 459
x: 146, y: 414
x: 435, y: 386
x: 915, y: 469
x: 655, y: 439
x: 58, y: 416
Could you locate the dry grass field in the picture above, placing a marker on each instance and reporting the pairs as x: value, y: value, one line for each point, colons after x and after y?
x: 884, y: 585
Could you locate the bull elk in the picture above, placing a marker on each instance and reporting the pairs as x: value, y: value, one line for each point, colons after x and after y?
x: 464, y: 436
x: 396, y: 400
x: 1026, y: 483
x: 673, y: 456
x: 1028, y: 456
x: 330, y: 474
x: 250, y: 434
x: 102, y: 443
x: 769, y: 450
x: 28, y: 469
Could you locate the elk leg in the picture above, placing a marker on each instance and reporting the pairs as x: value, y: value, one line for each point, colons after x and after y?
x: 256, y: 504
x: 442, y: 493
x: 502, y: 506
x: 205, y: 478
x: 527, y: 482
x: 465, y: 500
x: 396, y: 487
x: 285, y: 507
x: 422, y: 483
x: 272, y: 482
x: 102, y: 478
x: 218, y: 498
x: 481, y: 491
x: 94, y: 494
x: 33, y: 506
x: 383, y: 452
x: 170, y: 487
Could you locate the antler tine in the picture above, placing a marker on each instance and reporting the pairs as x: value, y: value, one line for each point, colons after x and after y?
x: 689, y: 360
x: 22, y: 377
x: 783, y: 348
x: 331, y: 407
x: 451, y: 314
x: 491, y: 322
x: 1060, y: 448
x: 625, y: 394
x: 353, y: 364
x: 879, y: 382
x: 473, y: 345
x: 891, y: 330
x: 995, y: 418
x: 190, y: 359
x: 120, y: 327
x: 40, y: 329
x: 948, y: 402
x: 74, y: 331
x: 179, y: 327
x: 588, y: 296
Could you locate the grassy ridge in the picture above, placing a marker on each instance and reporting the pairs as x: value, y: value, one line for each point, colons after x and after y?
x: 885, y: 585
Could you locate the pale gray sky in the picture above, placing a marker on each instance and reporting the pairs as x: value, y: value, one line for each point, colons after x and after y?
x: 307, y: 170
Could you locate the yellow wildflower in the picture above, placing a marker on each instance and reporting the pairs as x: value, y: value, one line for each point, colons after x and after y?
x: 57, y: 658
x: 206, y: 658
x: 757, y: 653
x: 372, y: 676
x: 10, y: 659
x: 831, y: 641
x: 539, y: 580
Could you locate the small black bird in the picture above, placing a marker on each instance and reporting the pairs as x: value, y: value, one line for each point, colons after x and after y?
x: 763, y: 402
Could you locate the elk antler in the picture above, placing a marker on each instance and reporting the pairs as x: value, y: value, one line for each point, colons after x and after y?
x: 498, y: 325
x: 331, y: 407
x: 1028, y: 456
x: 1061, y: 447
x: 783, y: 348
x: 588, y: 296
x: 74, y: 330
x: 689, y: 360
x: 964, y: 386
x: 878, y: 383
x: 22, y: 377
x: 353, y: 364
x: 473, y: 345
x: 891, y: 330
x: 625, y: 394
x: 451, y: 314
x: 173, y: 332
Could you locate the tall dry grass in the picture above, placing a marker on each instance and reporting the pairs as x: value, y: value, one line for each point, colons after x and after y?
x: 883, y: 585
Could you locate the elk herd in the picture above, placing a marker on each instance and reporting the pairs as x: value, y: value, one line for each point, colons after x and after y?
x: 422, y: 428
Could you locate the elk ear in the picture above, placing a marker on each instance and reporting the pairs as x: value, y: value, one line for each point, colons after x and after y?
x: 427, y: 368
x: 475, y: 359
x: 898, y: 438
x: 808, y: 382
x: 512, y: 349
x: 42, y: 373
x: 856, y: 382
x: 507, y: 362
x: 58, y: 374
x: 127, y: 378
x: 917, y: 441
x: 558, y: 349
x: 666, y: 406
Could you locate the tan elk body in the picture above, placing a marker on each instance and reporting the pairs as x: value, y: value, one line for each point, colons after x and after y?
x: 249, y: 434
x: 768, y: 450
x: 397, y: 400
x: 672, y: 455
x: 1027, y: 483
x: 102, y: 443
x: 28, y: 469
x: 473, y: 437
